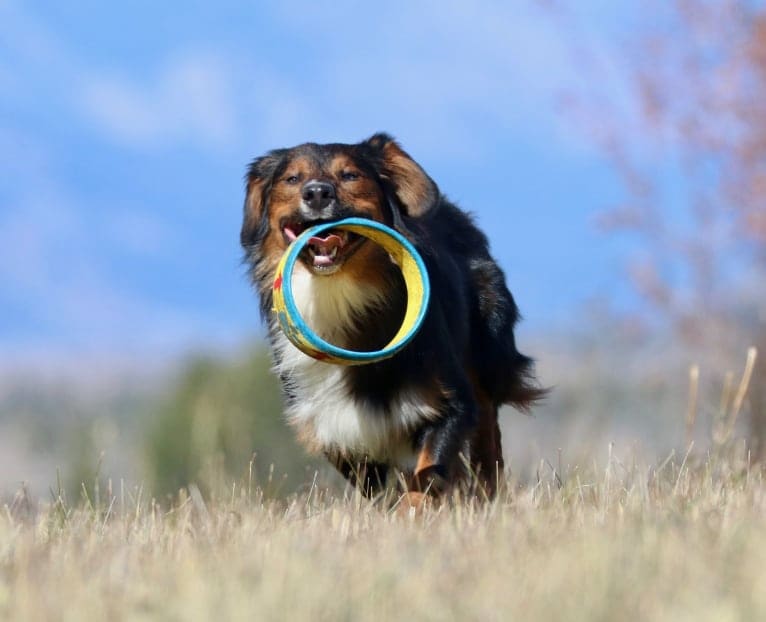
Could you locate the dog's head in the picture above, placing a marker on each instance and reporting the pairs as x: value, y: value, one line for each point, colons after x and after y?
x: 289, y: 190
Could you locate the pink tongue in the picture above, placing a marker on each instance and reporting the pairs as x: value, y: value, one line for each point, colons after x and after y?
x: 330, y: 242
x: 323, y: 247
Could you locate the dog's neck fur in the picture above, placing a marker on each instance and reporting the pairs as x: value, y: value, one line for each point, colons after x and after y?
x: 321, y: 405
x: 335, y: 306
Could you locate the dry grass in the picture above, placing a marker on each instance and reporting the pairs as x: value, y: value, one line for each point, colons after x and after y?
x: 685, y: 539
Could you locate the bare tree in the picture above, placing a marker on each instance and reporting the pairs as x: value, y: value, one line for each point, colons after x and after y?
x: 685, y: 125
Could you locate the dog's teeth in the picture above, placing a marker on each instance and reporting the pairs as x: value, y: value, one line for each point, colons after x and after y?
x: 334, y: 252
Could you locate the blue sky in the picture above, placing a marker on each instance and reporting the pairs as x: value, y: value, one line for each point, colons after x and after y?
x: 125, y: 130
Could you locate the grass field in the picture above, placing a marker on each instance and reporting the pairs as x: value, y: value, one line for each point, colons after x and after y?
x: 682, y: 539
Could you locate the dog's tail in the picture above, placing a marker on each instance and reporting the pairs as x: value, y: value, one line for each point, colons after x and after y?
x: 506, y: 375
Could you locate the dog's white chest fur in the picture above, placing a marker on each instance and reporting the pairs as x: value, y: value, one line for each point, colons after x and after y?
x: 323, y: 407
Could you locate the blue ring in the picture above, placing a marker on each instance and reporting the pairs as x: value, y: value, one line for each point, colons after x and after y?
x: 315, y: 340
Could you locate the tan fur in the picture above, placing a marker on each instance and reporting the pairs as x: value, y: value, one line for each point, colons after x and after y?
x: 414, y: 188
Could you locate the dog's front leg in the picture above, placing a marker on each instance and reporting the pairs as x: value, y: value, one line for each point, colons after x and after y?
x: 368, y: 476
x: 439, y: 445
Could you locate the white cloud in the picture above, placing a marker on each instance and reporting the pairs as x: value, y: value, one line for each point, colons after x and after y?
x: 189, y: 100
x: 135, y: 230
x: 24, y: 157
x: 430, y: 73
x: 436, y: 74
x: 30, y: 42
x: 51, y: 270
x: 186, y: 98
x: 54, y: 267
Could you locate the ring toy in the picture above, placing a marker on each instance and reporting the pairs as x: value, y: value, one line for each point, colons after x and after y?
x: 403, y: 254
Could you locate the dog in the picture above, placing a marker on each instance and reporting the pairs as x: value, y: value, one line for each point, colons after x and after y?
x: 430, y: 411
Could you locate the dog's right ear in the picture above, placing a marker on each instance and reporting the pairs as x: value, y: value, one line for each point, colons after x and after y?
x: 258, y: 180
x: 416, y: 192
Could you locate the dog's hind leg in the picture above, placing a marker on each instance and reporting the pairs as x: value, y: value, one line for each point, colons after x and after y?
x: 486, y: 447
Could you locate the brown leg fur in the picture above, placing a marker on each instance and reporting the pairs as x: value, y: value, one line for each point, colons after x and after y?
x: 424, y: 486
x: 422, y: 476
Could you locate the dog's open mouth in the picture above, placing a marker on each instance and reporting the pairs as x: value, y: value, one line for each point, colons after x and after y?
x: 326, y: 252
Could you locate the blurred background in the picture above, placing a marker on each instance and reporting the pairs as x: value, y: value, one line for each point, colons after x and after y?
x: 614, y: 152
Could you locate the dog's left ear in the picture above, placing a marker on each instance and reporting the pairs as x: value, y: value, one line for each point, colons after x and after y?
x: 258, y: 182
x: 416, y: 191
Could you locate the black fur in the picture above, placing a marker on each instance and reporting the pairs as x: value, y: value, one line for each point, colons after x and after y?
x: 464, y: 354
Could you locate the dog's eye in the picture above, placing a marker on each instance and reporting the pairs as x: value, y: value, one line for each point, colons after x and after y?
x: 292, y: 179
x: 349, y: 175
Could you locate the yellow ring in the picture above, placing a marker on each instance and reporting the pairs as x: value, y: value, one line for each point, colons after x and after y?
x: 404, y: 255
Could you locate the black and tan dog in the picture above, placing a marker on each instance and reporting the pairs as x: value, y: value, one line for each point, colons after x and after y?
x: 431, y: 410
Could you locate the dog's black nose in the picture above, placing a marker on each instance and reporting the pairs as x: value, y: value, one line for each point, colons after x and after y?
x: 318, y: 194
